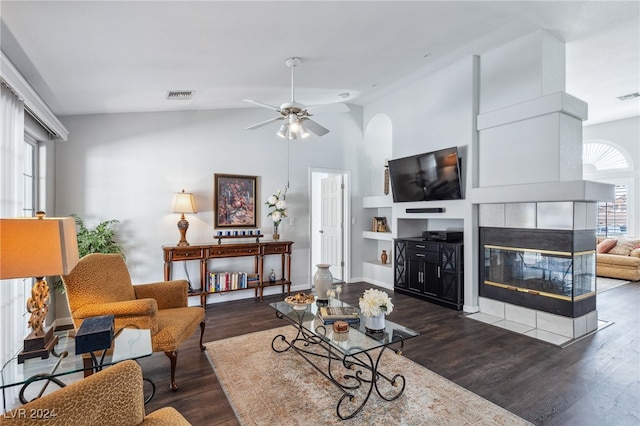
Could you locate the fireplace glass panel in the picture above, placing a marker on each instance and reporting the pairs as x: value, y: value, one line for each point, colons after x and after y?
x: 560, y: 275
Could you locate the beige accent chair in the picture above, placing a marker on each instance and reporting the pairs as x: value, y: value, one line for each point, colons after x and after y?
x: 100, y: 284
x: 113, y: 397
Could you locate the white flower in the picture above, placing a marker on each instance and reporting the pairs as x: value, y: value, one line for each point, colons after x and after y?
x: 375, y: 302
x: 277, y: 202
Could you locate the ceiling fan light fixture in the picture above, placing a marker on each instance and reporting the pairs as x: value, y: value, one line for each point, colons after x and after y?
x: 297, y: 124
x: 283, y: 130
x: 294, y: 123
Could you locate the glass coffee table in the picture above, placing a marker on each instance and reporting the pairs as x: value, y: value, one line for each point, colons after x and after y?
x: 31, y: 378
x: 352, y: 361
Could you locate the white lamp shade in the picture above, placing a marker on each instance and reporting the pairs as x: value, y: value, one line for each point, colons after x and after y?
x: 32, y: 247
x: 184, y: 203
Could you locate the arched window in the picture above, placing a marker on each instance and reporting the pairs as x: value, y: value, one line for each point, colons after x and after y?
x: 600, y: 162
x: 600, y: 156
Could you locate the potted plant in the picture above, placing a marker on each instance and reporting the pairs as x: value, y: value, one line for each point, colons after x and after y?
x: 98, y: 240
x: 279, y: 205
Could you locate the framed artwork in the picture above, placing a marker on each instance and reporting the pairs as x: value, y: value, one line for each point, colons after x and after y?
x: 234, y: 201
x: 380, y: 224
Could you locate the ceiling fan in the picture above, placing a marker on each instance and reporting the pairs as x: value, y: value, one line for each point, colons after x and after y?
x: 296, y: 117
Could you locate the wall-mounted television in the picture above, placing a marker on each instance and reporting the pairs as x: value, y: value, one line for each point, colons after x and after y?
x: 425, y: 177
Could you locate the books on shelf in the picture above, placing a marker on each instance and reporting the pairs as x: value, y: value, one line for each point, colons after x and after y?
x: 228, y: 281
x: 331, y: 314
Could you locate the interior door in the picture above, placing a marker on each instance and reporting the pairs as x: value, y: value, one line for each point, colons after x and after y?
x: 331, y: 245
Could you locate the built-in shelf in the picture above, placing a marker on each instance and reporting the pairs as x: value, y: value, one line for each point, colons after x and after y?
x: 377, y: 263
x: 381, y: 236
x: 377, y: 273
x: 377, y: 201
x: 373, y: 270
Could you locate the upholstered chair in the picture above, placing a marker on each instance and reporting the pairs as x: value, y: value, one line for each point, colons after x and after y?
x: 100, y: 284
x: 113, y: 396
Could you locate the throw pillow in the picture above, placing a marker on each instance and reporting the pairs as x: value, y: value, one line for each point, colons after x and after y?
x: 606, y: 245
x: 623, y: 247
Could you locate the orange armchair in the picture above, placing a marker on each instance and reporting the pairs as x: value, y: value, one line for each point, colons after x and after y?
x: 100, y: 284
x: 113, y: 397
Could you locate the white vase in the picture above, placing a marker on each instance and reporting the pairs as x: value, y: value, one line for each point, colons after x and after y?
x: 375, y: 324
x: 322, y: 281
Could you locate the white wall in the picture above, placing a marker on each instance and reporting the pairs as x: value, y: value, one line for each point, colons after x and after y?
x: 128, y: 167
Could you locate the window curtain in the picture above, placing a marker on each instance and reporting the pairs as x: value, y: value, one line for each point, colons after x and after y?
x: 12, y: 146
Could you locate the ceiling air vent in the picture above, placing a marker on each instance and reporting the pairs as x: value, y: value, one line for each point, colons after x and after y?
x: 630, y: 96
x: 180, y: 95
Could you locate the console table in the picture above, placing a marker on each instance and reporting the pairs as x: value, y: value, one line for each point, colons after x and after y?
x: 217, y: 250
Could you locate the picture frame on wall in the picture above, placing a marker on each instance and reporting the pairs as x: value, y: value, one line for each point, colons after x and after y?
x: 235, y: 198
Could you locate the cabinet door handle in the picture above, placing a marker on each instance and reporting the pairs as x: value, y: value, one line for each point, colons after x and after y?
x: 419, y: 255
x: 438, y: 272
x: 420, y: 246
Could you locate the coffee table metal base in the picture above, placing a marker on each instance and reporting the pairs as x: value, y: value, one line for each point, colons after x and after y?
x: 348, y: 373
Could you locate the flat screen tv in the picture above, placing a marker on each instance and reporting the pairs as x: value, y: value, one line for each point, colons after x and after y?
x: 425, y: 177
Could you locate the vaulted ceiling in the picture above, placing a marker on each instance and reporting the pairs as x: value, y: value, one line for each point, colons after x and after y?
x: 87, y: 57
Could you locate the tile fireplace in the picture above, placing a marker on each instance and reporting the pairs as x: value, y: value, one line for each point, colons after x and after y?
x: 537, y: 268
x: 547, y: 270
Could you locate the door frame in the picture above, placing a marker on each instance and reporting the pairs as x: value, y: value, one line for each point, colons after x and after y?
x: 346, y: 212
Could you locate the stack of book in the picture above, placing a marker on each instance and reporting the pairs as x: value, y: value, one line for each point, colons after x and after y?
x: 227, y: 281
x: 331, y: 314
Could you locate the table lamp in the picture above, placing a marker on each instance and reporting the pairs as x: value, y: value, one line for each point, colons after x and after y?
x: 37, y: 247
x: 184, y: 203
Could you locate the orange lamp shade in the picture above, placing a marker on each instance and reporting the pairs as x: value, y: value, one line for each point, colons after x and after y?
x: 37, y: 247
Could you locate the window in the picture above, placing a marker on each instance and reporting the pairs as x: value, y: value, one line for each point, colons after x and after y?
x: 612, y: 217
x: 605, y: 163
x: 29, y: 177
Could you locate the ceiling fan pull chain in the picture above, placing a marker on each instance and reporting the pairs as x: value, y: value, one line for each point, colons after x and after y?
x: 293, y: 97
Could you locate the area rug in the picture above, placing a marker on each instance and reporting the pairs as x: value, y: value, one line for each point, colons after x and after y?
x: 267, y: 388
x: 605, y: 284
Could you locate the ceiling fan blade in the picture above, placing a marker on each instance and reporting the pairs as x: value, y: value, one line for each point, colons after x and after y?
x: 264, y: 123
x: 314, y: 127
x: 329, y: 108
x: 262, y: 104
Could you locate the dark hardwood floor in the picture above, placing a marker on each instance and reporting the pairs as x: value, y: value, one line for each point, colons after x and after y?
x: 595, y: 381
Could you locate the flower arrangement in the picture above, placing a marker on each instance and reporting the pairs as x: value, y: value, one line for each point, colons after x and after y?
x: 279, y: 205
x: 333, y: 293
x: 375, y: 302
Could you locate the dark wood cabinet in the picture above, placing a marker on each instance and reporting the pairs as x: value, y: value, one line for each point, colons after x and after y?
x: 430, y: 270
